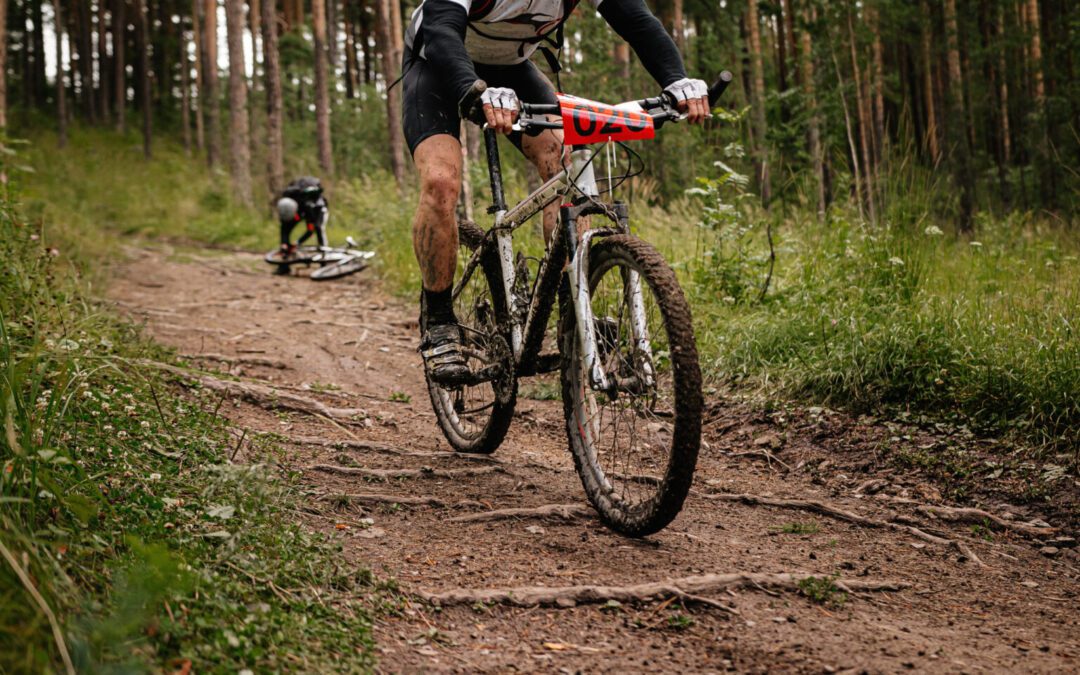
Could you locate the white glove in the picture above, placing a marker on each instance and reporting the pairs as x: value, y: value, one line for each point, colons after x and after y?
x: 500, y: 97
x: 687, y: 89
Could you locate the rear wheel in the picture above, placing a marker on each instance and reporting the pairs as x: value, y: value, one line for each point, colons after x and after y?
x: 635, y: 447
x: 475, y: 418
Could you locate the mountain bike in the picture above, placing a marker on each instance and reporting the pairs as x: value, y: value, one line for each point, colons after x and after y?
x: 334, y: 261
x: 631, y: 382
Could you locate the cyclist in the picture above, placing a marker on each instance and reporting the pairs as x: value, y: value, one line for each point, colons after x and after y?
x: 302, y: 200
x: 470, y: 59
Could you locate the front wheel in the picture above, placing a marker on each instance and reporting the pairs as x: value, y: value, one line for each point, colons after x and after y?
x: 635, y: 446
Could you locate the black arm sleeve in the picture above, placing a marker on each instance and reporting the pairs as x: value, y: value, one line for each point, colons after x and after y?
x: 443, y: 33
x: 634, y: 23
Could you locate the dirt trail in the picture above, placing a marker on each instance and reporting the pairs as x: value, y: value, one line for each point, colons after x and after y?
x: 350, y: 346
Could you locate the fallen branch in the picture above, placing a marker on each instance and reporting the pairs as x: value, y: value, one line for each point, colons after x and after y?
x: 564, y: 511
x: 388, y: 474
x: 837, y: 513
x: 688, y: 587
x: 973, y: 515
x: 403, y: 500
x: 264, y: 396
x: 239, y: 360
x: 763, y: 454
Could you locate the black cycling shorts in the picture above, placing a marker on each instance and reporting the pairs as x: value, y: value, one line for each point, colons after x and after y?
x: 429, y: 108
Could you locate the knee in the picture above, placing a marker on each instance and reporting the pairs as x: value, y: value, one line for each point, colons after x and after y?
x: 440, y: 191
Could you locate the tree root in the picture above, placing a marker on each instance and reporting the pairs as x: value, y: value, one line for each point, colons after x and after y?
x: 264, y: 396
x: 564, y: 511
x: 387, y: 449
x: 239, y: 360
x: 973, y: 515
x: 403, y: 500
x: 688, y: 588
x: 837, y: 513
x: 388, y: 474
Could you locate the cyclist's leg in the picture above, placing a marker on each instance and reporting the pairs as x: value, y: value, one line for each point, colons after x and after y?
x: 431, y: 126
x: 546, y: 150
x: 321, y: 221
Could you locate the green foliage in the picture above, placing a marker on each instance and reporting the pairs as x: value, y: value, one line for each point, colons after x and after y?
x: 118, y: 499
x: 823, y: 590
x: 810, y: 527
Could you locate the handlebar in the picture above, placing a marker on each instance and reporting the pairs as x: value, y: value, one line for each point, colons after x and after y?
x: 662, y: 108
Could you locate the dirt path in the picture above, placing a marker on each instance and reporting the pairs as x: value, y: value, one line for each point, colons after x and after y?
x: 350, y: 346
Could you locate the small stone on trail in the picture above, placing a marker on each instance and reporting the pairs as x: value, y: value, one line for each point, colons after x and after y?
x: 535, y: 529
x: 1049, y: 551
x: 1030, y: 584
x: 1063, y: 542
x: 768, y: 440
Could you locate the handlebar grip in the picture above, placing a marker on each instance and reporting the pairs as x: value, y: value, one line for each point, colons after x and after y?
x: 718, y: 87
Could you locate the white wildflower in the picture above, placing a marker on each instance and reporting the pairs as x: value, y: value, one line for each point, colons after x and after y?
x: 933, y: 231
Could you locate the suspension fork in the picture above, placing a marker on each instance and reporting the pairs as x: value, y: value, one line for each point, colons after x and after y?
x: 578, y: 254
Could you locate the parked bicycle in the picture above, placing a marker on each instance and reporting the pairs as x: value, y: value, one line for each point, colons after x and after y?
x: 631, y: 382
x: 334, y: 261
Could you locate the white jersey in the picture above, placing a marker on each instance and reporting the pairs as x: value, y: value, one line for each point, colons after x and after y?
x: 503, y: 32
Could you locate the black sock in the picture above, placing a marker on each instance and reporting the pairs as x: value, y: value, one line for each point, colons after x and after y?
x: 440, y: 306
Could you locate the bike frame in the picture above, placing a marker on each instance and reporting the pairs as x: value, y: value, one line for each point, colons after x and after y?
x: 528, y: 322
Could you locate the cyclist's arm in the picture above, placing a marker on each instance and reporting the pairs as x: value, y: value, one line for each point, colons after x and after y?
x: 443, y: 29
x: 634, y: 23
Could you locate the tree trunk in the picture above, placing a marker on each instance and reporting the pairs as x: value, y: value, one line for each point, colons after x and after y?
x: 351, y: 65
x: 210, y: 83
x: 185, y: 89
x: 622, y: 60
x: 3, y: 63
x: 239, y: 142
x: 86, y: 61
x: 119, y: 38
x: 200, y: 83
x: 322, y: 92
x: 862, y: 102
x: 364, y: 21
x: 757, y: 93
x: 814, y: 122
x: 103, y: 63
x: 255, y: 17
x: 39, y: 54
x: 61, y: 87
x: 961, y: 151
x: 1003, y: 90
x: 386, y: 40
x: 878, y: 61
x: 144, y: 84
x: 331, y: 41
x: 928, y: 83
x: 782, y: 54
x: 678, y: 25
x: 275, y: 171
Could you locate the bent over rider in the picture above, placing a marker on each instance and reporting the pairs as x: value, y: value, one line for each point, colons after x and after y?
x: 466, y: 56
x: 302, y: 200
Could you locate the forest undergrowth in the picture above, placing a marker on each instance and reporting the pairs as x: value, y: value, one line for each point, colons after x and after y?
x: 120, y: 508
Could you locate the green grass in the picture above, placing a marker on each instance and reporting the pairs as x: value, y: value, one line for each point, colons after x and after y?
x: 121, y: 514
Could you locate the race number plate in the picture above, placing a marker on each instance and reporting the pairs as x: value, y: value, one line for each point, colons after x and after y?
x: 586, y: 121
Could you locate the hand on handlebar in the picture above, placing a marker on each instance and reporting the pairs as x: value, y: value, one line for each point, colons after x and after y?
x: 500, y: 108
x: 691, y: 97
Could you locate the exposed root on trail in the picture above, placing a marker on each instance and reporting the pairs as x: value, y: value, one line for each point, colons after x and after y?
x: 978, y: 516
x: 564, y: 511
x: 239, y: 360
x: 689, y: 588
x: 425, y: 472
x: 403, y: 500
x: 386, y: 449
x: 264, y: 396
x: 837, y: 513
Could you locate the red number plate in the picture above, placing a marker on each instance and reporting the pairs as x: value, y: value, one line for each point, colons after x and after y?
x: 586, y: 121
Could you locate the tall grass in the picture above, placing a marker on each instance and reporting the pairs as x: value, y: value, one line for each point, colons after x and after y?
x: 128, y: 540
